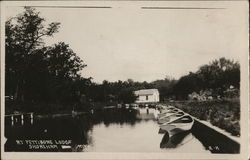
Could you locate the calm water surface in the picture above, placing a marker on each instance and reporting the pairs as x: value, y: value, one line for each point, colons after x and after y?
x: 110, y: 130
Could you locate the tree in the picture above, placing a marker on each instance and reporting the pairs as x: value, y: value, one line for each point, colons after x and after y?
x: 165, y: 87
x: 63, y: 65
x: 24, y: 36
x: 127, y: 96
x: 36, y: 77
x: 63, y: 62
x: 186, y: 84
x: 216, y: 76
x: 220, y: 73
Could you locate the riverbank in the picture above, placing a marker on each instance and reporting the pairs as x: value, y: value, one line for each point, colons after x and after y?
x: 114, y: 129
x: 53, y: 108
x: 223, y: 114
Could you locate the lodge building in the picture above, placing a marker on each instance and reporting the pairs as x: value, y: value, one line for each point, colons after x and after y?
x: 147, y: 96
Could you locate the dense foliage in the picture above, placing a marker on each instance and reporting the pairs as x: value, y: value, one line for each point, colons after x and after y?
x: 37, y: 74
x: 217, y: 76
x: 223, y: 114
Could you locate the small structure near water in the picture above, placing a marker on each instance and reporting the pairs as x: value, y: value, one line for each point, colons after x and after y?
x: 147, y: 96
x: 19, y: 118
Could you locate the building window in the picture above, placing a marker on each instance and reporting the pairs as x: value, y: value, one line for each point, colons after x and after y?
x: 146, y: 97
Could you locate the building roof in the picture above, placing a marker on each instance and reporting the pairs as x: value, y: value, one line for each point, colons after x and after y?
x: 146, y: 92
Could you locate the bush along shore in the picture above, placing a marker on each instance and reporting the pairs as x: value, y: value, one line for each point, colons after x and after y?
x: 224, y: 114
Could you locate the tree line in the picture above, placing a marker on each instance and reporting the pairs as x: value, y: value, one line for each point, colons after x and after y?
x: 217, y: 77
x: 38, y: 73
x: 33, y: 71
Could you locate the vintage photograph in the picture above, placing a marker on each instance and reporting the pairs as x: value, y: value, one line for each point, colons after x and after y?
x: 125, y: 77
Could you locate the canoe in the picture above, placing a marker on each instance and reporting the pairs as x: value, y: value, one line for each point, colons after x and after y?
x: 166, y: 113
x: 178, y: 125
x: 175, y: 140
x: 173, y: 109
x: 170, y: 117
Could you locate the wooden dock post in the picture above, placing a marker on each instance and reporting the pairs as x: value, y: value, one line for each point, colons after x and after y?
x: 15, y: 117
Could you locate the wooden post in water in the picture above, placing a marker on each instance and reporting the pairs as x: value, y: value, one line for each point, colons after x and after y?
x: 147, y: 110
x: 31, y: 118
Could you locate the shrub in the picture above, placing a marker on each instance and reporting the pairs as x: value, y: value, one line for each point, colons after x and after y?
x: 224, y: 114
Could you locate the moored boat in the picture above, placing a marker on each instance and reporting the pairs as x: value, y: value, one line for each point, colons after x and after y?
x: 166, y: 113
x: 170, y: 117
x: 183, y: 123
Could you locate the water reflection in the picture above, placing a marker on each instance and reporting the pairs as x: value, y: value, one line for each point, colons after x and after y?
x: 115, y: 115
x: 60, y: 129
x: 106, y: 130
x: 76, y: 129
x: 173, y: 141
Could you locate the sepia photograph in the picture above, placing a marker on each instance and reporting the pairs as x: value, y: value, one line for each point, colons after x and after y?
x: 125, y: 80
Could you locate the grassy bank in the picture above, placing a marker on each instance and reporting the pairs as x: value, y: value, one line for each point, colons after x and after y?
x: 223, y: 114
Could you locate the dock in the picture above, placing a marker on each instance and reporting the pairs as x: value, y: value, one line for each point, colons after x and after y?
x: 19, y: 118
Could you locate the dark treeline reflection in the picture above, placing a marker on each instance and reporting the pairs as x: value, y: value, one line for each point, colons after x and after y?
x: 115, y: 115
x: 73, y: 129
x: 76, y: 129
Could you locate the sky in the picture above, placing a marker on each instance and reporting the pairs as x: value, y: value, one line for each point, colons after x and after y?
x: 126, y: 41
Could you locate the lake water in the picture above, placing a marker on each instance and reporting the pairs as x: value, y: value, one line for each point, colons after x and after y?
x: 109, y: 130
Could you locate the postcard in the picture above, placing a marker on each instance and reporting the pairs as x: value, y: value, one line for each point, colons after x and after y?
x: 124, y: 80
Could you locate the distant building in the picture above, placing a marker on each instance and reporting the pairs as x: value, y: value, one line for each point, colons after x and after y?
x: 147, y: 96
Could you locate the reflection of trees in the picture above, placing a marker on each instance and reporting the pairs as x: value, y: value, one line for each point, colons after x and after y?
x: 173, y: 141
x: 115, y: 115
x: 77, y: 129
x: 82, y: 126
x: 64, y: 128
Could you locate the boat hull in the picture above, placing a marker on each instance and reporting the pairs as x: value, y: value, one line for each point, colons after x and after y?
x: 175, y: 128
x: 166, y: 113
x: 170, y: 117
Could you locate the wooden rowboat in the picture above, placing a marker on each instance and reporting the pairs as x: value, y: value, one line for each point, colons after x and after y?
x: 181, y: 124
x: 167, y: 112
x: 170, y: 117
